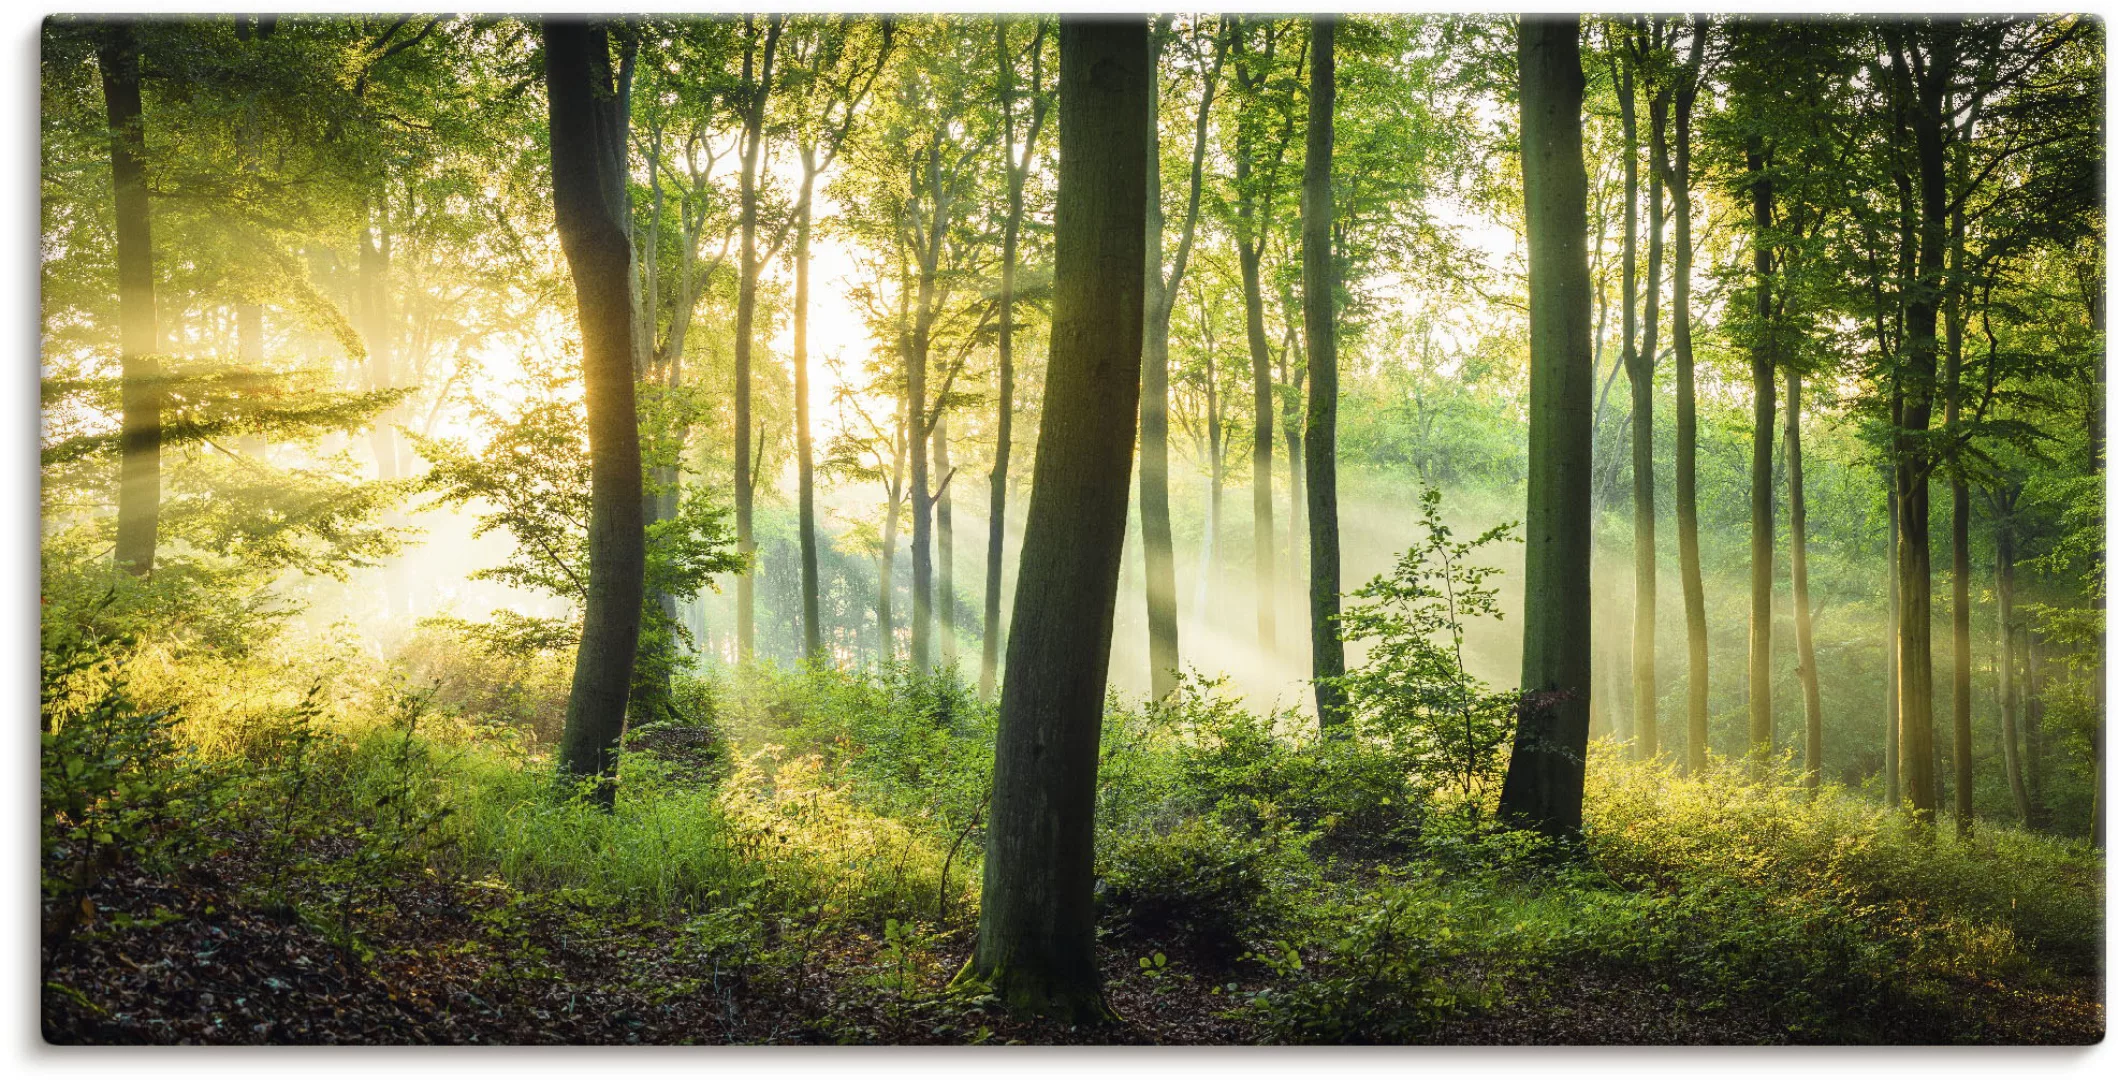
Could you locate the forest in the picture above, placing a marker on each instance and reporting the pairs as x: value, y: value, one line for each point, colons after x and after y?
x: 1476, y: 529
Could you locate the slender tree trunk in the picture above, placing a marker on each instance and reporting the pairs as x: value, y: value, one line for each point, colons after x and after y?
x: 1694, y: 585
x: 1320, y: 322
x: 1798, y: 571
x: 1250, y: 248
x: 1764, y: 391
x: 1156, y: 544
x: 1545, y: 774
x: 916, y: 436
x: 250, y: 332
x: 2010, y: 700
x: 757, y: 85
x: 2033, y: 722
x: 1292, y: 411
x: 1959, y: 538
x: 885, y: 622
x: 1004, y: 419
x: 140, y: 371
x: 944, y: 540
x: 1036, y: 935
x: 804, y: 444
x: 1641, y: 373
x: 593, y: 218
x: 1893, y: 792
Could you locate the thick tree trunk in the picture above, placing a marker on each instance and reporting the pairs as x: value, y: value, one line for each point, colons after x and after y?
x: 1545, y: 774
x: 804, y: 444
x: 592, y: 214
x: 1327, y: 654
x: 1798, y: 572
x: 757, y: 85
x: 1036, y: 934
x: 1689, y: 569
x: 1641, y: 373
x: 1915, y: 568
x: 140, y: 371
x: 916, y: 435
x: 1764, y: 390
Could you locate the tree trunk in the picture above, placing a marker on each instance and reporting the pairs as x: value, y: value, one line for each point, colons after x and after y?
x: 1545, y: 774
x: 1250, y: 248
x: 2033, y: 722
x: 1798, y: 571
x: 140, y: 370
x: 1696, y: 675
x: 804, y: 444
x: 1036, y: 934
x: 1959, y: 538
x: 757, y: 85
x: 885, y: 621
x: 1327, y: 654
x: 592, y: 214
x: 1004, y: 407
x: 1893, y: 792
x: 1641, y: 373
x: 944, y: 541
x: 1915, y: 568
x: 1158, y: 549
x: 1764, y: 390
x: 2010, y: 699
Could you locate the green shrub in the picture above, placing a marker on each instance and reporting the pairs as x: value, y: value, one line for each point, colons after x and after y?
x: 1200, y: 882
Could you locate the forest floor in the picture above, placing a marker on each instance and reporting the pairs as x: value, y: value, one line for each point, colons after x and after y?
x: 195, y: 958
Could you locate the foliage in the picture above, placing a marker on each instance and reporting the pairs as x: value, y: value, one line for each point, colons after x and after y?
x: 1412, y: 692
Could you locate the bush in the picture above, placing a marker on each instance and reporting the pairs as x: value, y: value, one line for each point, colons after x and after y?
x: 1199, y: 882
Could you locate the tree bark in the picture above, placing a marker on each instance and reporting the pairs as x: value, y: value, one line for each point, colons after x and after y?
x: 2010, y: 697
x: 1893, y: 790
x: 1915, y: 568
x: 1004, y: 406
x: 592, y: 214
x: 1959, y: 536
x: 757, y: 86
x: 1798, y: 572
x: 1327, y: 654
x: 1545, y: 774
x: 1764, y: 390
x: 1036, y: 934
x: 804, y: 445
x: 1689, y: 569
x: 1253, y: 217
x: 1640, y: 372
x: 1157, y: 546
x: 140, y: 369
x: 944, y: 540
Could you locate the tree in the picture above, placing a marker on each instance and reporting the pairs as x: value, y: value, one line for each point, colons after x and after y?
x: 1162, y: 653
x: 1640, y: 372
x: 140, y: 459
x: 832, y: 73
x: 1036, y: 931
x: 1260, y: 150
x: 1678, y: 177
x: 1327, y: 653
x: 1544, y: 782
x: 754, y: 92
x: 592, y: 212
x: 1017, y: 162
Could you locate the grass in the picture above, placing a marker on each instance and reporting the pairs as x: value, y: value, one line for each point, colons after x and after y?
x: 817, y: 804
